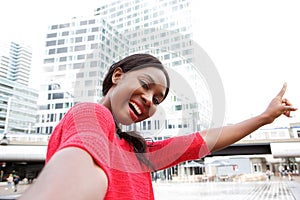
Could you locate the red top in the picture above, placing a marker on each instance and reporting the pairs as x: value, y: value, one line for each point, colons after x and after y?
x: 91, y: 127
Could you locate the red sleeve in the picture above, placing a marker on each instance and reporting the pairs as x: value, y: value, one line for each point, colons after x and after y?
x: 172, y: 151
x: 86, y: 125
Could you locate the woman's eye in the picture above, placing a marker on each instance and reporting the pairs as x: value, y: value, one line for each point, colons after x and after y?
x: 144, y: 84
x: 156, y: 101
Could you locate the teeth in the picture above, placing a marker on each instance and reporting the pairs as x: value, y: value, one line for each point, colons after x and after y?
x: 137, y: 109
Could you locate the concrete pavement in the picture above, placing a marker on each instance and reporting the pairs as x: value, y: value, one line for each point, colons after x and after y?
x: 278, y: 188
x: 282, y: 189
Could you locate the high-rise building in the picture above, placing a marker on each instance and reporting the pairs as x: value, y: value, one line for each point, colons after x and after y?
x: 15, y: 62
x: 18, y: 102
x: 78, y: 53
x: 164, y: 29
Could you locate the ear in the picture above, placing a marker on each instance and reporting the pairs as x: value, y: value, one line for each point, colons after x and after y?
x: 117, y: 75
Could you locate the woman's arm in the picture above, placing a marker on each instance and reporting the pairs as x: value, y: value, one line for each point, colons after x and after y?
x: 70, y: 174
x: 219, y: 138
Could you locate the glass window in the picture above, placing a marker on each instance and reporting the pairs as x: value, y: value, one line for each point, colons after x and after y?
x: 78, y: 65
x: 80, y: 31
x: 62, y: 50
x: 58, y: 105
x: 80, y: 57
x: 51, y: 43
x: 93, y: 64
x: 63, y: 59
x: 60, y: 42
x: 95, y: 29
x: 51, y: 35
x: 58, y: 95
x: 91, y: 37
x: 65, y: 33
x: 92, y: 21
x: 54, y: 27
x: 83, y: 23
x: 49, y: 60
x: 80, y: 48
x: 78, y: 39
x: 51, y: 51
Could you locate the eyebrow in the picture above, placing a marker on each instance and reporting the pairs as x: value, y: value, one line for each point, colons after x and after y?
x: 152, y: 81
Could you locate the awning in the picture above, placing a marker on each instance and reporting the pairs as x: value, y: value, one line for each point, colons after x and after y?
x: 22, y: 153
x: 284, y: 149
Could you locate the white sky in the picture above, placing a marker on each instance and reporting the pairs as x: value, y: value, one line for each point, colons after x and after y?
x: 255, y: 44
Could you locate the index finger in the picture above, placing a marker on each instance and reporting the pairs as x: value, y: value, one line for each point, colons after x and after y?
x: 282, y: 91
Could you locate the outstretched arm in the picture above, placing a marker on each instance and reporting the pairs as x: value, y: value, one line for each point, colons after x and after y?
x: 219, y: 138
x: 70, y: 174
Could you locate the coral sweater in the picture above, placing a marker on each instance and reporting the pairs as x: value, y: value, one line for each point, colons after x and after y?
x: 91, y: 127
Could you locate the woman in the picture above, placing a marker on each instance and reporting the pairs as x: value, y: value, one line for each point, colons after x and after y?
x: 89, y: 157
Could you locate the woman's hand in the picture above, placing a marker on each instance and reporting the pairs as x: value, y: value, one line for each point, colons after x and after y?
x: 278, y: 106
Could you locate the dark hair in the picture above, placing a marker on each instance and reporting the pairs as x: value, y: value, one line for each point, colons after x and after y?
x: 130, y: 63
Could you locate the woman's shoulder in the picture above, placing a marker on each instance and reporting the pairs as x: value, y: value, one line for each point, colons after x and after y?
x: 89, y: 107
x: 88, y: 111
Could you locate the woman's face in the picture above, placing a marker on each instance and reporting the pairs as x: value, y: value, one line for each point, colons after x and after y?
x: 136, y: 94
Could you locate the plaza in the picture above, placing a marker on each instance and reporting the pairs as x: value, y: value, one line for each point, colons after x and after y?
x: 278, y: 188
x: 282, y: 189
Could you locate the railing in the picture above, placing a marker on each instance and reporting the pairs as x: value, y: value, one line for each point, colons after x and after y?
x: 26, y: 139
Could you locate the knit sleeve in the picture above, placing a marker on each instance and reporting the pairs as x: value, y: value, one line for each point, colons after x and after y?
x: 88, y: 126
x: 175, y: 150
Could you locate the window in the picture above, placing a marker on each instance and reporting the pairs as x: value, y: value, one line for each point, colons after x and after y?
x: 54, y: 27
x: 83, y: 23
x: 80, y: 31
x: 51, y: 35
x: 49, y: 60
x: 91, y: 37
x: 51, y: 51
x: 65, y: 33
x: 58, y: 105
x: 78, y: 65
x: 80, y: 48
x: 58, y: 95
x: 60, y: 42
x: 93, y: 64
x: 92, y: 21
x: 95, y: 29
x: 80, y: 57
x: 78, y: 39
x: 63, y: 59
x: 51, y: 43
x: 62, y: 50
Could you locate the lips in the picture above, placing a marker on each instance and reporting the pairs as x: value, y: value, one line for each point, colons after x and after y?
x: 135, y: 110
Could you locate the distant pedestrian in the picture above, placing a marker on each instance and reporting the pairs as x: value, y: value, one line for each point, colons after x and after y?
x: 268, y: 174
x: 290, y: 175
x: 10, y: 179
x: 16, y: 181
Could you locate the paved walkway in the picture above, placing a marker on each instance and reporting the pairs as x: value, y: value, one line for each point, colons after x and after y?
x: 282, y: 189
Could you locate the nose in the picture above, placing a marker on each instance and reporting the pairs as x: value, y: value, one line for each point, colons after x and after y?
x: 147, y: 99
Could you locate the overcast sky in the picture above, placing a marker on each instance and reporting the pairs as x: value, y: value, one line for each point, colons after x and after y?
x: 255, y: 45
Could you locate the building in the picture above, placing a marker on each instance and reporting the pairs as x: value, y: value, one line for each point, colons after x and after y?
x: 17, y: 101
x: 15, y: 62
x: 78, y: 53
x: 163, y: 28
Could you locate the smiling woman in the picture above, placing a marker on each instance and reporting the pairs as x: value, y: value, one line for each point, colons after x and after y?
x: 90, y: 157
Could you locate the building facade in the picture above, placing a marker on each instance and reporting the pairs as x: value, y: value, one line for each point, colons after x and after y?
x: 77, y: 55
x: 18, y: 108
x: 15, y: 62
x: 18, y: 102
x: 163, y: 28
